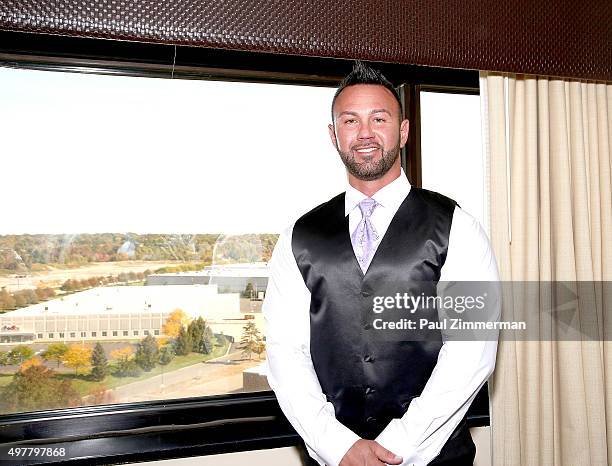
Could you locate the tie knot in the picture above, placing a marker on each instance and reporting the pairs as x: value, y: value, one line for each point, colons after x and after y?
x: 367, y: 206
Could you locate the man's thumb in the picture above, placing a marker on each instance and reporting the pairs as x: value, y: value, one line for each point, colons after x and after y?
x: 386, y: 456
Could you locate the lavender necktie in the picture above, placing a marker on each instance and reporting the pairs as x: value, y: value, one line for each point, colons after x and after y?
x: 364, y: 236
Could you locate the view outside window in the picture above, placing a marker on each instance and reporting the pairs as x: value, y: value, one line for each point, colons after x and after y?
x: 138, y: 216
x: 451, y: 150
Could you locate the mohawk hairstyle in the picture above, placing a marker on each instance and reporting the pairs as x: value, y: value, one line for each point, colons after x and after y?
x: 364, y: 74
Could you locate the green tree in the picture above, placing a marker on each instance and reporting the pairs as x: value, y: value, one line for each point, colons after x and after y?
x: 36, y: 388
x: 55, y: 352
x: 19, y: 354
x: 166, y: 355
x: 99, y: 363
x: 249, y: 291
x: 197, y: 332
x: 208, y: 341
x: 183, y: 344
x: 147, y: 353
x: 201, y: 336
x: 125, y: 365
x: 128, y: 368
x: 250, y: 340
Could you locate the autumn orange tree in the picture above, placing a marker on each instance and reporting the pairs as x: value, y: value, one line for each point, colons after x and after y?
x: 77, y: 357
x: 122, y: 354
x: 175, y: 321
x: 35, y: 361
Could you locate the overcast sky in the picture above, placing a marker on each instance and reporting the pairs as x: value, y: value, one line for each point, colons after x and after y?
x: 85, y: 153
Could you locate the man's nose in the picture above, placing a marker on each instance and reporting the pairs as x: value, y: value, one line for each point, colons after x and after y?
x: 365, y: 131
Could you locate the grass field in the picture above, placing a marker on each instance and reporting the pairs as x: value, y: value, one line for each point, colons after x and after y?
x: 84, y: 386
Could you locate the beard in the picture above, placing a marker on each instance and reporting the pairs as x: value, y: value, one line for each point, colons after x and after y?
x: 370, y: 170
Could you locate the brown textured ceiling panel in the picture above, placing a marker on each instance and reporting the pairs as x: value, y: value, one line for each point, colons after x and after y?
x: 558, y: 37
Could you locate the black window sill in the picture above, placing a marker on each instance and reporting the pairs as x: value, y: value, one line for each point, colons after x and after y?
x: 158, y: 430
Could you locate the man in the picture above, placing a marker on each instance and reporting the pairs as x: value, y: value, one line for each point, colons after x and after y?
x: 356, y: 398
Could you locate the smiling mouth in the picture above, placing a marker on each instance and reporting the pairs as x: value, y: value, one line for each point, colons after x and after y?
x: 366, y: 150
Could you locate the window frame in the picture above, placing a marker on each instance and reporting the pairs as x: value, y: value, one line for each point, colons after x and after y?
x: 186, y: 427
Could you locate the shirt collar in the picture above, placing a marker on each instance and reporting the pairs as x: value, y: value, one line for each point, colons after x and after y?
x: 389, y: 196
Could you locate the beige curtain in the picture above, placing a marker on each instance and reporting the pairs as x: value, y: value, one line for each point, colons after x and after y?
x: 548, y: 143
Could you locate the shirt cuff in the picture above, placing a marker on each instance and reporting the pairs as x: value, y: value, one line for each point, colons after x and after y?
x: 337, y: 443
x: 393, y: 438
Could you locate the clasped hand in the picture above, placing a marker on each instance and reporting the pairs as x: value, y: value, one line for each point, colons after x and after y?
x: 369, y: 453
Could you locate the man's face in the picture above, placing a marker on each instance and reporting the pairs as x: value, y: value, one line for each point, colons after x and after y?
x: 367, y: 131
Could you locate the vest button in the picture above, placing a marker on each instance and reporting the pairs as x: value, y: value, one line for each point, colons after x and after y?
x: 370, y: 390
x: 366, y: 294
x: 371, y: 419
x: 368, y: 358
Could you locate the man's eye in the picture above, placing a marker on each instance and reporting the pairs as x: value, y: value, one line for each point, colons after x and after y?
x: 350, y: 121
x: 379, y: 120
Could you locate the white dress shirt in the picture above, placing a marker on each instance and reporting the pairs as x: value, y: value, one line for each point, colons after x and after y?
x: 461, y: 369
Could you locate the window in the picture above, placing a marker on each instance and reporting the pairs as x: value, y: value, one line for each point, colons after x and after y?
x: 104, y: 334
x: 61, y: 335
x: 453, y: 165
x: 72, y: 335
x: 157, y: 277
x: 51, y: 335
x: 40, y: 335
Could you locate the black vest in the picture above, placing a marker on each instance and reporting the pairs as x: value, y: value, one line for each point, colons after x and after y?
x: 371, y: 376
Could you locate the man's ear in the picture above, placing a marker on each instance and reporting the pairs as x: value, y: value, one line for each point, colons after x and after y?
x: 332, y: 135
x: 404, y: 130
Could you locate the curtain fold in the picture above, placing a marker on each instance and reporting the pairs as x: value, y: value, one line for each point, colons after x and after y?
x: 551, y: 220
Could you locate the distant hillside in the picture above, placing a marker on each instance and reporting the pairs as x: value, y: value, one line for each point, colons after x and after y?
x: 22, y: 253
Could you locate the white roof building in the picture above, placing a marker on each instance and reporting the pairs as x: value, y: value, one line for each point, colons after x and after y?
x: 118, y: 312
x: 230, y: 278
